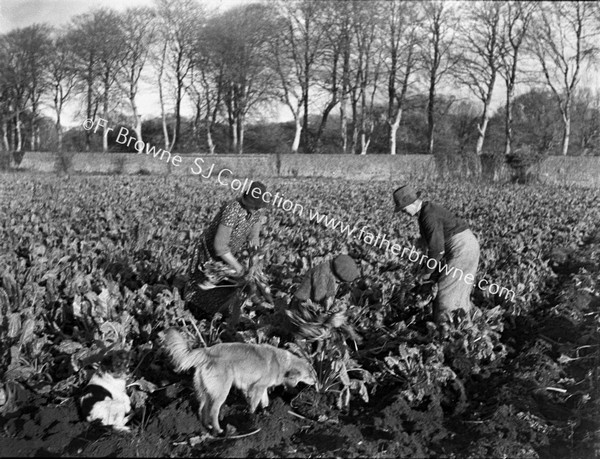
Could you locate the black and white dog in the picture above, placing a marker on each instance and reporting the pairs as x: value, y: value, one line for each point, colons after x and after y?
x: 105, y: 397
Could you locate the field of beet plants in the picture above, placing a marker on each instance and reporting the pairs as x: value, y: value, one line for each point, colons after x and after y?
x: 91, y: 264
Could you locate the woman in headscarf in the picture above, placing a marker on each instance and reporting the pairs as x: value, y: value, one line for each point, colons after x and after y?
x: 452, y: 246
x: 237, y: 222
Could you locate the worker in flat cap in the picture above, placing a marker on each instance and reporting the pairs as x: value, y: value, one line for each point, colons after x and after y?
x: 313, y: 313
x: 452, y: 252
x: 320, y: 284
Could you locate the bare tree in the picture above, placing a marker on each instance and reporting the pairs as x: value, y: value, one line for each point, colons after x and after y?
x: 63, y: 80
x: 344, y: 27
x: 563, y: 42
x: 365, y: 67
x: 586, y: 119
x: 402, y: 26
x: 5, y: 92
x: 437, y: 54
x: 517, y: 19
x: 331, y: 74
x: 160, y: 57
x: 464, y: 121
x: 38, y: 51
x: 111, y: 58
x: 206, y: 83
x: 482, y: 59
x: 139, y: 30
x: 177, y: 25
x: 295, y: 50
x: 16, y: 75
x: 205, y: 90
x: 84, y: 34
x: 242, y: 40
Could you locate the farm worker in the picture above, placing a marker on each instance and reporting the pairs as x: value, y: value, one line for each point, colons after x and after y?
x: 452, y: 252
x: 310, y: 311
x: 237, y: 221
x: 320, y: 284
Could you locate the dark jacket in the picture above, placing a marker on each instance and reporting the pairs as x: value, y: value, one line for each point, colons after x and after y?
x: 319, y: 283
x: 437, y: 225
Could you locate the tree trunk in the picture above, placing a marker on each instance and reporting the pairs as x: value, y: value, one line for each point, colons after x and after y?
x: 32, y: 138
x: 19, y: 135
x: 392, y: 100
x: 59, y: 133
x: 364, y: 142
x: 305, y: 134
x: 90, y: 97
x: 163, y: 115
x: 566, y: 135
x: 316, y: 144
x: 137, y: 118
x: 5, y: 136
x: 343, y: 125
x: 178, y: 114
x: 12, y: 141
x: 105, y: 115
x: 297, y: 135
x: 33, y: 117
x: 354, y: 136
x: 508, y: 122
x: 431, y: 115
x: 481, y: 132
x: 485, y: 117
x: 196, y: 123
x: 240, y: 125
x: 209, y: 139
x: 162, y: 112
x: 210, y: 122
x: 393, y: 131
x: 363, y: 117
x: 231, y: 114
x: 234, y: 134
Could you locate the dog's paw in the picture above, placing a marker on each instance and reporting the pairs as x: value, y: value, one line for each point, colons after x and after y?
x: 215, y: 431
x: 230, y: 430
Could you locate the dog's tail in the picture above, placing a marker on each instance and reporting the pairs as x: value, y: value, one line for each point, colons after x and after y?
x: 177, y: 347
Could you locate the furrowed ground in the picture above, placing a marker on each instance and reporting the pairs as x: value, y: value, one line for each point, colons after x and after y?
x: 92, y: 263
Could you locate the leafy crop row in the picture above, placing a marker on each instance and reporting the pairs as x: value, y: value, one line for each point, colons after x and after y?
x: 92, y: 264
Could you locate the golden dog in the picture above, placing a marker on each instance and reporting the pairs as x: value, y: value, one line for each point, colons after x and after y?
x: 252, y: 368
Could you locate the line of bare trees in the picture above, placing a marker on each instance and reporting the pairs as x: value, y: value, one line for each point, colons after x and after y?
x: 363, y: 59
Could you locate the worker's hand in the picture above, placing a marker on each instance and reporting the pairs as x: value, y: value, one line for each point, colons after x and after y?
x: 254, y: 244
x: 423, y: 278
x: 239, y: 273
x: 233, y: 263
x: 328, y: 302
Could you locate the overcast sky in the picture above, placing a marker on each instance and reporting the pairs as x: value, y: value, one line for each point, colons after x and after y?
x: 21, y: 13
